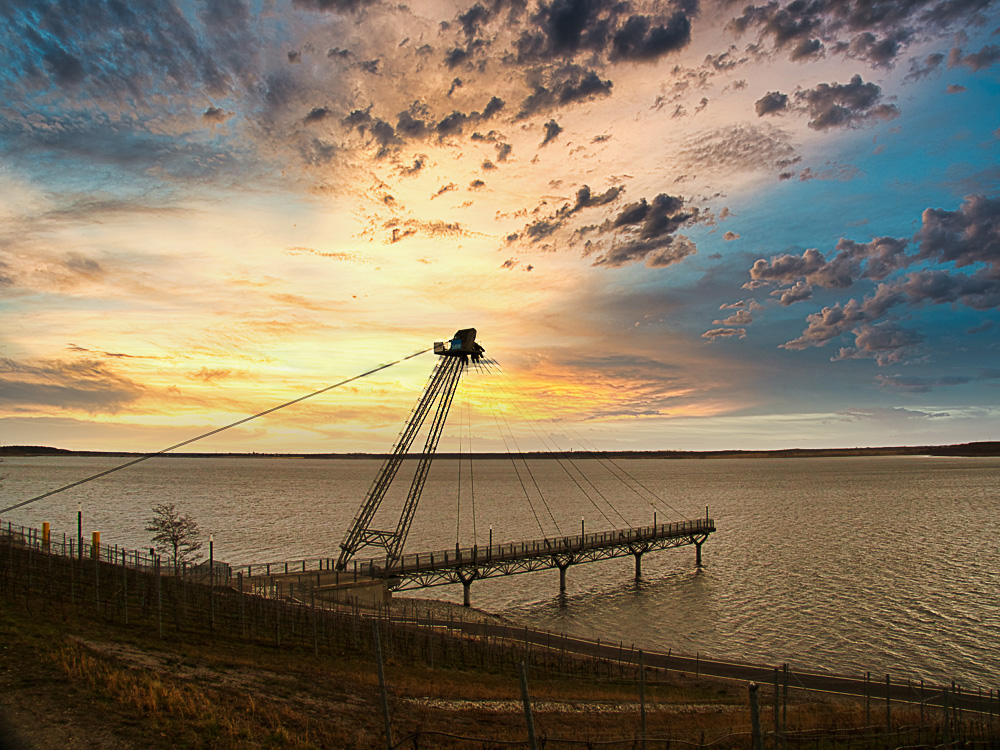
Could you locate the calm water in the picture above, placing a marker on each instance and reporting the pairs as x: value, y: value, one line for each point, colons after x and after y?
x: 884, y: 564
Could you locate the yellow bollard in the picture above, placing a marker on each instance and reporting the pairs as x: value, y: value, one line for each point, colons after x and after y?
x: 45, y: 535
x: 95, y: 545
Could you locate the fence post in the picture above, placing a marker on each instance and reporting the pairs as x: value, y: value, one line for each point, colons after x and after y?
x: 211, y: 582
x: 381, y: 684
x: 946, y: 734
x: 888, y: 710
x: 95, y: 552
x: 526, y: 700
x: 868, y: 715
x: 642, y: 699
x: 758, y: 740
x: 159, y: 596
x: 777, y: 702
x: 784, y: 702
x: 125, y: 583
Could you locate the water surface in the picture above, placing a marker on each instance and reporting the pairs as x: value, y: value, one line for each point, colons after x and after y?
x: 888, y: 564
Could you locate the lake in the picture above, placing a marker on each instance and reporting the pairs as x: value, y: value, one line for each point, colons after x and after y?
x: 887, y: 564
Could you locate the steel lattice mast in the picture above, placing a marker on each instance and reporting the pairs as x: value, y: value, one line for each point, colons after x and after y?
x: 440, y: 389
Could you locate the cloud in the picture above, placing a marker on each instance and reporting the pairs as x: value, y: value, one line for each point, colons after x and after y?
x: 646, y: 231
x: 88, y: 385
x: 565, y: 28
x: 922, y: 68
x: 334, y: 6
x: 798, y: 292
x: 730, y: 236
x: 834, y: 105
x: 445, y: 189
x: 419, y: 162
x: 403, y: 228
x: 974, y: 61
x: 585, y: 198
x: 552, y: 130
x: 725, y: 333
x: 746, y: 148
x: 966, y: 238
x: 739, y: 318
x: 563, y: 86
x: 918, y: 384
x: 886, y: 343
x: 216, y: 115
x: 876, y: 31
x: 207, y: 375
x: 639, y: 38
x: 853, y: 261
x: 771, y: 103
x: 113, y: 53
x: 318, y: 114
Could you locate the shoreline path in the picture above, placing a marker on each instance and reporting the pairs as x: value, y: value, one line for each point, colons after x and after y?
x: 492, y: 626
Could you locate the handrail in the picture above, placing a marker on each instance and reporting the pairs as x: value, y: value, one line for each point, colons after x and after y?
x: 497, y: 553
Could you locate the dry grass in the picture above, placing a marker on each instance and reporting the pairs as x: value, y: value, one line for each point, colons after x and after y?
x: 195, y: 691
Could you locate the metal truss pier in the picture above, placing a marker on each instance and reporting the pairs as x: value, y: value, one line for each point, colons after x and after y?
x: 467, y: 564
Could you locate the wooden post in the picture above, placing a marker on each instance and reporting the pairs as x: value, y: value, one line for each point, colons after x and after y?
x: 757, y: 737
x: 868, y: 714
x: 381, y: 685
x: 777, y: 702
x: 888, y: 710
x: 46, y: 537
x: 125, y: 583
x: 946, y: 733
x: 526, y: 700
x: 642, y: 699
x: 211, y: 581
x: 921, y: 703
x: 159, y: 597
x: 784, y: 707
x: 638, y: 565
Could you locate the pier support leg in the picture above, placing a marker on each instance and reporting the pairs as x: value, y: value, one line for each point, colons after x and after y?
x: 466, y: 597
x: 562, y: 578
x: 638, y: 565
x: 697, y: 554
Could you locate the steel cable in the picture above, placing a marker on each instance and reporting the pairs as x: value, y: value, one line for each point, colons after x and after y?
x: 208, y: 434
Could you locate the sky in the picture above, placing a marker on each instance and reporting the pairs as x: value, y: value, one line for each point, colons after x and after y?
x: 682, y: 225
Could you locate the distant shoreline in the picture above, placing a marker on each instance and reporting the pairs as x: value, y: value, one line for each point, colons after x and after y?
x: 970, y: 450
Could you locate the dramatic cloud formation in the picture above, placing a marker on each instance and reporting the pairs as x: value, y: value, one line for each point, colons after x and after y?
x: 647, y: 231
x: 833, y: 105
x: 967, y: 238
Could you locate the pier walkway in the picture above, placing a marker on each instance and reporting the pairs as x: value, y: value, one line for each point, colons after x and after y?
x: 467, y: 564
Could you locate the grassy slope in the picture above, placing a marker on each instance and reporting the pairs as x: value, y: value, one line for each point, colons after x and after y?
x: 69, y: 680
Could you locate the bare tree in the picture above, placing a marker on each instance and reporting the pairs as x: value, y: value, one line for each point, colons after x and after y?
x: 173, y: 532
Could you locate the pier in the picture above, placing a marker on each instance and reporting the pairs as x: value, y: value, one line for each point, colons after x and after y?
x: 467, y: 564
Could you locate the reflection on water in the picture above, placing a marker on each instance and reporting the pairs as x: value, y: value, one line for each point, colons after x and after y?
x: 884, y: 564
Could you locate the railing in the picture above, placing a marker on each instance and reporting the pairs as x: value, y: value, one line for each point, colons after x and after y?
x: 544, y: 547
x: 460, y: 556
x: 78, y: 548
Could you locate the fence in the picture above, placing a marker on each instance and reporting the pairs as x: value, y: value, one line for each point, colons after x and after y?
x: 135, y: 590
